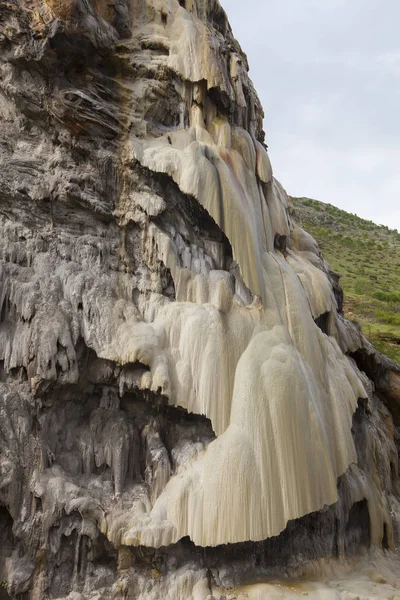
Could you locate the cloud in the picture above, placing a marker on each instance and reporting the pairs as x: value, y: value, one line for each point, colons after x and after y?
x: 390, y: 61
x: 353, y: 178
x: 328, y: 75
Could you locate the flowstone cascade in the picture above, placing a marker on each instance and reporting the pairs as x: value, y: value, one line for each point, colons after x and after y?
x: 185, y: 412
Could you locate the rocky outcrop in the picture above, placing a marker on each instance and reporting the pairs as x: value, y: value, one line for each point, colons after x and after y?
x: 183, y: 407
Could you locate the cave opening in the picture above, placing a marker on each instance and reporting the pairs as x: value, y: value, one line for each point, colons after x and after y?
x: 281, y: 243
x: 323, y: 322
x: 38, y: 504
x: 102, y: 552
x: 358, y: 528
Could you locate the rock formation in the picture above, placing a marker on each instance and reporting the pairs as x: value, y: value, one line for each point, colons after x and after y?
x: 183, y: 405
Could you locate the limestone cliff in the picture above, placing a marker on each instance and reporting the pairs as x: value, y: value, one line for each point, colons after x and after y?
x: 182, y: 401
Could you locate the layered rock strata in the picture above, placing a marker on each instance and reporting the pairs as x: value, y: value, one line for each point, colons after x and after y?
x: 181, y: 399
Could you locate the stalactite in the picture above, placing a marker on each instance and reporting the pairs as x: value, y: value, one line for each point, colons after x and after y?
x: 184, y: 410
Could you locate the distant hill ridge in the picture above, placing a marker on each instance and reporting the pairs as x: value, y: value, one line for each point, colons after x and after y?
x: 367, y: 256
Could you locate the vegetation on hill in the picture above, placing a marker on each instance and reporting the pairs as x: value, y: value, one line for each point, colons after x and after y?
x: 367, y: 256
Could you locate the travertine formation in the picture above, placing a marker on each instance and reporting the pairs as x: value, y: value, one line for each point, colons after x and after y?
x: 183, y: 405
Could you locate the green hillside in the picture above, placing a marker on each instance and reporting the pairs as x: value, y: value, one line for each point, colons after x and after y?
x: 368, y: 258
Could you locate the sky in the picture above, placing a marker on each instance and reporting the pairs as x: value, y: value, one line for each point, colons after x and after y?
x: 328, y: 76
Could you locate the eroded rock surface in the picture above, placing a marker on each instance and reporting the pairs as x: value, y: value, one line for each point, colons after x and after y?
x: 183, y: 405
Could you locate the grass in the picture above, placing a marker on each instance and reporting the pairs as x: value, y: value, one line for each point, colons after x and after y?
x: 367, y: 256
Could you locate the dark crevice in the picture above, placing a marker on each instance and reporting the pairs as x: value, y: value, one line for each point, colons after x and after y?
x: 82, y: 554
x: 102, y: 552
x: 323, y: 322
x: 385, y: 539
x: 4, y: 310
x: 7, y: 540
x: 374, y: 365
x: 63, y: 574
x: 384, y: 373
x: 393, y: 474
x: 358, y: 533
x: 361, y: 431
x: 219, y: 19
x: 367, y: 363
x: 3, y: 374
x: 221, y: 101
x: 281, y: 243
x: 167, y: 282
x: 337, y: 290
x: 18, y: 374
x: 156, y: 48
x: 335, y: 546
x: 362, y: 412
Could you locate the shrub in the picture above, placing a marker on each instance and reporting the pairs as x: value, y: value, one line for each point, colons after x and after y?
x: 391, y: 297
x: 361, y: 286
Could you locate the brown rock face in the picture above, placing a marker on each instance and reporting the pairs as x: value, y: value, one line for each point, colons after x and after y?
x: 183, y: 408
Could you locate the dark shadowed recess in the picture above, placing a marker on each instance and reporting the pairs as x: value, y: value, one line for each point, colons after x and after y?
x: 182, y: 208
x: 7, y: 545
x: 139, y: 407
x: 322, y: 322
x: 334, y: 531
x: 306, y: 539
x: 380, y: 369
x: 358, y: 532
x: 76, y: 557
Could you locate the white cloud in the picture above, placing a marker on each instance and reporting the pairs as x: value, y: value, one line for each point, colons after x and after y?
x: 390, y: 61
x: 327, y: 72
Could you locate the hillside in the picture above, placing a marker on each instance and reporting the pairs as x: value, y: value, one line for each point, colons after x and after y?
x: 367, y: 256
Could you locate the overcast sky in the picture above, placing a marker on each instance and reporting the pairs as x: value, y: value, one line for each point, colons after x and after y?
x: 328, y: 75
